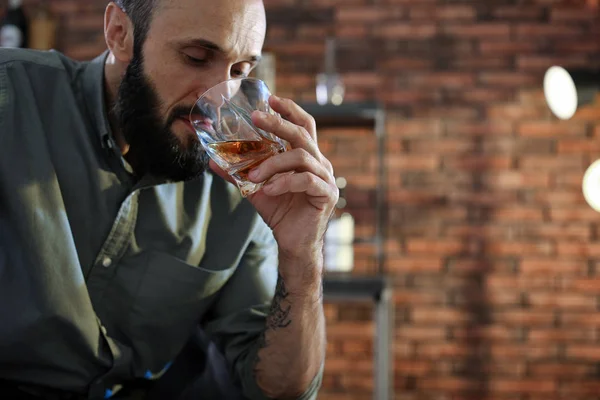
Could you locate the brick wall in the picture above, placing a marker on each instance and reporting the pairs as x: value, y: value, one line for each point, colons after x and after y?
x: 491, y: 245
x: 493, y: 251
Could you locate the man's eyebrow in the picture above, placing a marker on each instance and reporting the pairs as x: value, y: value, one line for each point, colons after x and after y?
x: 216, y: 48
x: 204, y: 43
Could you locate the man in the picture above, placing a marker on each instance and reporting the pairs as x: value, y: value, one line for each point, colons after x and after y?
x: 118, y: 242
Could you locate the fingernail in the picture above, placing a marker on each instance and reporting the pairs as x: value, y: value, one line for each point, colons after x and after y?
x: 261, y: 115
x: 254, y: 173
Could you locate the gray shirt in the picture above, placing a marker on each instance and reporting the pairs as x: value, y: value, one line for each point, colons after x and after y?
x: 103, y: 278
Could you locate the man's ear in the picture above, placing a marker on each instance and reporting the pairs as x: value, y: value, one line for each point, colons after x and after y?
x: 118, y: 33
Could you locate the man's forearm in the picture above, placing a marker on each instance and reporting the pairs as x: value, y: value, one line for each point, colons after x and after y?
x: 292, y: 347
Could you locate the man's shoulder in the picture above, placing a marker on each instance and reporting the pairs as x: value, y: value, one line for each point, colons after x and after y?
x: 44, y: 59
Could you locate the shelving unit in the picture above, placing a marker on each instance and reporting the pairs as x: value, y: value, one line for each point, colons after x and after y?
x: 359, y: 288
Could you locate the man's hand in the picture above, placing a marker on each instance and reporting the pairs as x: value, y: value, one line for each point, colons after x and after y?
x: 296, y: 202
x: 296, y: 206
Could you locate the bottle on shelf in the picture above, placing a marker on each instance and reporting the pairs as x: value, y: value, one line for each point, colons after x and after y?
x: 42, y: 28
x: 14, y: 27
x: 339, y: 238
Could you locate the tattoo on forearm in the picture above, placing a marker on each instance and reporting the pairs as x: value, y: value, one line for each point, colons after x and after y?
x: 279, y: 314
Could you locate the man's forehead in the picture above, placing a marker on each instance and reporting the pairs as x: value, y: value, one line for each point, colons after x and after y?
x: 233, y: 25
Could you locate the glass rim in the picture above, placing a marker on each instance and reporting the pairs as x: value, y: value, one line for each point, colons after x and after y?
x: 245, y: 78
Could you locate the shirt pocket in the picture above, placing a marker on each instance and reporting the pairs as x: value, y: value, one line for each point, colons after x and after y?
x: 170, y: 301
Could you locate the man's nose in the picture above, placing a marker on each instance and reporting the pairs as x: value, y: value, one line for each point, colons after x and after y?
x: 218, y: 86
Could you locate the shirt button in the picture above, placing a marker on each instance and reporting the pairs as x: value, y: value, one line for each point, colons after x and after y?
x: 106, y: 262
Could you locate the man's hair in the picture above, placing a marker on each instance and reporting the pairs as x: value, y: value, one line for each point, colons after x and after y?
x: 140, y: 12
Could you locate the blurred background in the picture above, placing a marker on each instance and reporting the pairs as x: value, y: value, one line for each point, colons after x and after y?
x: 473, y: 266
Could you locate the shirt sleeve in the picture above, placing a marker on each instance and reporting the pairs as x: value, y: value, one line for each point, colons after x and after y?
x: 239, y: 316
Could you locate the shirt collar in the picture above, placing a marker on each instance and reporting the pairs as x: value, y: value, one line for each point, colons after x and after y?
x: 95, y: 99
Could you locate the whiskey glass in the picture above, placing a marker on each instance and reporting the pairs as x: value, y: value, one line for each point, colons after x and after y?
x: 222, y: 120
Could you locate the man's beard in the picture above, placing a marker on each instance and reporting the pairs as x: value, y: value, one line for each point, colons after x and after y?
x: 154, y: 148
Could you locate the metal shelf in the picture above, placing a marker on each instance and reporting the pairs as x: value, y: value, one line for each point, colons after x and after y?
x: 373, y: 288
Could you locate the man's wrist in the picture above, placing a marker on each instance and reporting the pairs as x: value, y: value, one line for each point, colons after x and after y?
x: 303, y: 276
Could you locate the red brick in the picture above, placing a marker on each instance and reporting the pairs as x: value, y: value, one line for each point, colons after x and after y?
x: 578, y: 146
x: 570, y: 47
x: 463, y: 128
x: 351, y: 330
x: 550, y: 163
x: 357, y: 383
x: 440, y: 146
x: 405, y: 63
x: 524, y: 282
x: 563, y: 335
x: 551, y: 129
x: 311, y: 31
x: 403, y: 97
x: 416, y: 333
x: 491, y: 29
x: 563, y: 301
x: 558, y: 198
x: 534, y: 386
x: 366, y: 13
x: 552, y: 267
x: 413, y: 368
x: 441, y: 247
x: 408, y: 197
x: 516, y: 112
x: 529, y: 352
x: 437, y: 316
x: 509, y: 79
x: 516, y: 179
x: 590, y: 387
x: 581, y: 320
x: 569, y: 180
x: 559, y: 231
x: 406, y: 31
x: 529, y: 30
x: 450, y: 385
x: 414, y: 264
x: 361, y: 79
x: 351, y: 31
x: 520, y: 12
x: 336, y: 365
x: 520, y: 248
x: 442, y: 12
x: 574, y: 214
x: 447, y: 112
x: 587, y: 113
x: 541, y: 63
x: 583, y: 352
x: 517, y: 214
x: 404, y: 162
x: 477, y: 95
x: 558, y: 370
x: 487, y: 334
x: 499, y: 47
x: 490, y: 199
x: 569, y: 14
x: 353, y: 348
x: 443, y: 79
x: 581, y: 285
x: 478, y: 63
x: 524, y: 318
x: 477, y: 265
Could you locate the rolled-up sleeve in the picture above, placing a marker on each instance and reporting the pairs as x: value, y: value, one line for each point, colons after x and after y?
x: 239, y: 316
